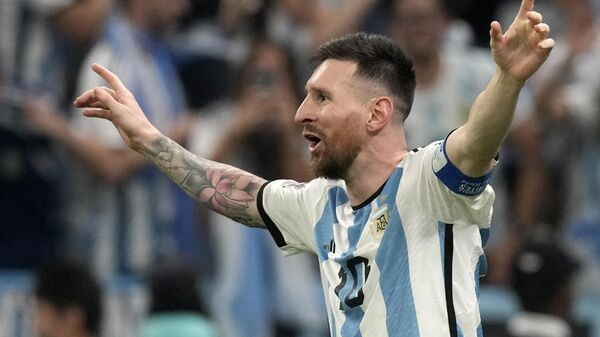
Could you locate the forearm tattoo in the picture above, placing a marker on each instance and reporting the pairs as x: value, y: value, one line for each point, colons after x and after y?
x: 222, y: 188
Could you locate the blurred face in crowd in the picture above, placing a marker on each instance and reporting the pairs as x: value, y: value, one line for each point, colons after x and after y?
x: 419, y: 26
x: 333, y: 116
x: 160, y: 14
x: 301, y: 10
x: 51, y: 321
x: 270, y: 71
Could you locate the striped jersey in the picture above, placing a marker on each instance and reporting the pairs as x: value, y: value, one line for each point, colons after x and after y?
x: 407, y: 261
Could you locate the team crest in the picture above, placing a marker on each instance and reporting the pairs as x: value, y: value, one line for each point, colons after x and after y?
x: 379, y: 221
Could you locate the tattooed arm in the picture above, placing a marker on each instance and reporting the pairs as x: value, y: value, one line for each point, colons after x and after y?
x: 222, y: 188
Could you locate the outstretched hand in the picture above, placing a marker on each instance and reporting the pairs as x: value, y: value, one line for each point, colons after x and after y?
x: 118, y: 105
x: 524, y: 47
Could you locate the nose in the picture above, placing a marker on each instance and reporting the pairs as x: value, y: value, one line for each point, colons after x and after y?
x: 304, y: 114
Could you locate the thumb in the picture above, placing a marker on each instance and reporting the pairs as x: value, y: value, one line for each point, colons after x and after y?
x: 496, y: 36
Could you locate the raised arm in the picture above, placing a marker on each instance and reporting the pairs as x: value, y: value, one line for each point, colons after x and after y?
x: 518, y: 54
x: 222, y: 188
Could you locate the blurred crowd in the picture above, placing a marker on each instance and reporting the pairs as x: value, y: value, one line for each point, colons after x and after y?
x: 224, y: 77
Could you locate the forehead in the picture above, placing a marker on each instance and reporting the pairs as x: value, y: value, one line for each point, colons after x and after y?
x: 332, y: 74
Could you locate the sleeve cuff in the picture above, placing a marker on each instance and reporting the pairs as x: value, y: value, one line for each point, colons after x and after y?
x: 271, y: 227
x: 453, y: 178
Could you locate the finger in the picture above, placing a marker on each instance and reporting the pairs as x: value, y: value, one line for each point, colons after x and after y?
x: 97, y: 105
x: 86, y: 98
x: 534, y: 17
x: 97, y: 113
x: 106, y: 99
x: 109, y: 77
x: 543, y: 30
x: 496, y: 36
x: 110, y: 91
x: 546, y: 44
x: 526, y: 6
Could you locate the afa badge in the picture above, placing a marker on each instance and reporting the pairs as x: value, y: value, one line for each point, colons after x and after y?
x: 379, y: 221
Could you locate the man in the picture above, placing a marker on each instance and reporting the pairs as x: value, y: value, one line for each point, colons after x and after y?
x: 396, y: 232
x: 68, y: 301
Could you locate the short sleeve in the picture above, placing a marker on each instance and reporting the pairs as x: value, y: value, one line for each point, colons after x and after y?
x: 444, y: 191
x: 290, y: 211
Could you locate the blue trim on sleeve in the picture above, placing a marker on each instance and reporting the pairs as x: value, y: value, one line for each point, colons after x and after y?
x: 458, y: 182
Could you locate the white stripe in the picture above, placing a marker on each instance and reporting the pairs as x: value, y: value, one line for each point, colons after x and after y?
x: 340, y: 229
x: 426, y: 272
x: 374, y: 320
x: 467, y: 249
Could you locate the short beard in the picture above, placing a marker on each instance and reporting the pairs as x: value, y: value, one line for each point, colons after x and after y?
x: 336, y: 162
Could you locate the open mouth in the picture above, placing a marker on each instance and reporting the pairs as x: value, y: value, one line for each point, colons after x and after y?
x: 313, y: 141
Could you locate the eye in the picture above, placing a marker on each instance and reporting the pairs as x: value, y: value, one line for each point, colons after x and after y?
x: 321, y: 97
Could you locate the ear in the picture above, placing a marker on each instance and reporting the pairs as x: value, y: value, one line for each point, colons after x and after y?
x: 382, y: 112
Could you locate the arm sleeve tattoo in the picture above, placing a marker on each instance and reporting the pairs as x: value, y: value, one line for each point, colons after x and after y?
x: 222, y: 188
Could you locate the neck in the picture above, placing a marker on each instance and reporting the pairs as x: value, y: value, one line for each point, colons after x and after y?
x: 373, y: 166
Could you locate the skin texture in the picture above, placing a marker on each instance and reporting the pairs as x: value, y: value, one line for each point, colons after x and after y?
x: 330, y: 105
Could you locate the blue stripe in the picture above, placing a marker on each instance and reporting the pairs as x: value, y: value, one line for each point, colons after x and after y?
x: 351, y: 326
x: 479, y: 331
x: 392, y: 259
x: 249, y: 313
x: 460, y: 333
x: 354, y: 316
x: 324, y: 228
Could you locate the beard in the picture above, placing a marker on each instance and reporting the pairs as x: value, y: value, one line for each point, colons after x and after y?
x: 338, y: 156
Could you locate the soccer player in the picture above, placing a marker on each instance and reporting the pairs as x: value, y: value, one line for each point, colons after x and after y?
x: 398, y: 233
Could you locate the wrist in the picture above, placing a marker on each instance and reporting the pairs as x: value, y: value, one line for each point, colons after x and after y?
x: 508, y: 82
x: 145, y: 139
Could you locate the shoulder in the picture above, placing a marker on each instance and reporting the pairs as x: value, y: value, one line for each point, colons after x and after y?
x: 314, y: 187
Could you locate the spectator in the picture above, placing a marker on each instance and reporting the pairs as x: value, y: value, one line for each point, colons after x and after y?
x: 557, y: 185
x: 30, y: 225
x: 542, y: 277
x: 68, y: 301
x: 176, y: 309
x: 106, y: 176
x: 41, y: 44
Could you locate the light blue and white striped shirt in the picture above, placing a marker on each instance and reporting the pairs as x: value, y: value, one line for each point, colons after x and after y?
x: 407, y: 261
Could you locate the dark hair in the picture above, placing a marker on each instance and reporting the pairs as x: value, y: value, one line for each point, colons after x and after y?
x: 379, y: 60
x: 65, y: 284
x: 174, y: 287
x: 539, y: 272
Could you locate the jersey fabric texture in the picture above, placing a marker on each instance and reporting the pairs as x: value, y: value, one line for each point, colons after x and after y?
x: 407, y: 261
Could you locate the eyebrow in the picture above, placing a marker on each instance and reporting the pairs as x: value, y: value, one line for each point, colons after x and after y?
x: 317, y: 89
